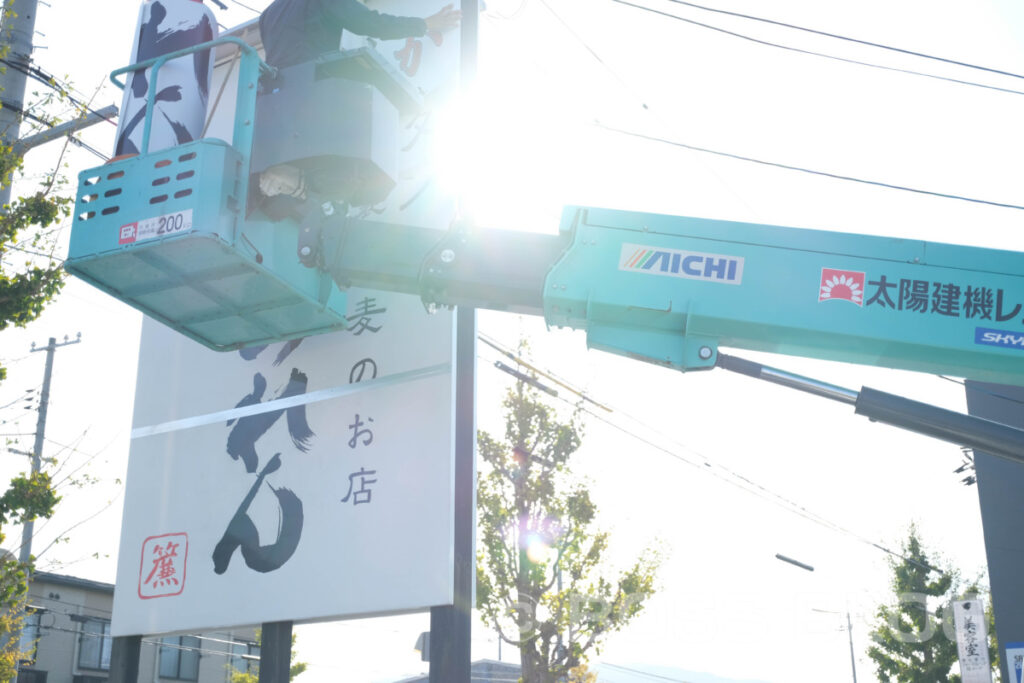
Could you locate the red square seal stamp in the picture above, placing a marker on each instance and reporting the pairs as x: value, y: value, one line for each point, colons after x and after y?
x: 164, y: 560
x: 129, y: 233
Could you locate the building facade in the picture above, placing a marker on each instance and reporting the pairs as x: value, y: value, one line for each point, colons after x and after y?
x: 67, y: 631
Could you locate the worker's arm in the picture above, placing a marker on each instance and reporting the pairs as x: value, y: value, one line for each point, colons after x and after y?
x: 362, y: 20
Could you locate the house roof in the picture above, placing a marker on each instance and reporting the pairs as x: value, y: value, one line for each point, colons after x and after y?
x: 482, y: 670
x: 72, y: 582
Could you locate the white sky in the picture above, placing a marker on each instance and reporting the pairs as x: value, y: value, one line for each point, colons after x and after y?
x: 726, y: 605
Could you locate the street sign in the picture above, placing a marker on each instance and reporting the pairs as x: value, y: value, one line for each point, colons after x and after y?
x: 972, y: 641
x: 1015, y: 661
x: 302, y: 481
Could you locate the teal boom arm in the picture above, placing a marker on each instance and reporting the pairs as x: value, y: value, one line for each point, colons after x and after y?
x: 670, y: 290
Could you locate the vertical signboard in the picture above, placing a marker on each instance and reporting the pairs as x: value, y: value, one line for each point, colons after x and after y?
x: 972, y: 641
x: 1015, y: 661
x: 304, y: 480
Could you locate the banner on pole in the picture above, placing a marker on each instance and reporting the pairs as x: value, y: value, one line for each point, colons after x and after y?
x: 972, y: 641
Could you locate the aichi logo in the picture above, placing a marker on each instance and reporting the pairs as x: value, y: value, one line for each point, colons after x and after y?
x: 842, y: 285
x: 690, y: 265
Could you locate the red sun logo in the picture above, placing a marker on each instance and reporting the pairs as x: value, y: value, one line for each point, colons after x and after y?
x: 843, y: 285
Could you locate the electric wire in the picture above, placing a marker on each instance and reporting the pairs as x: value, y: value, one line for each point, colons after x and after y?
x: 643, y: 673
x: 594, y: 54
x: 523, y: 4
x: 744, y: 483
x: 738, y: 157
x: 30, y: 252
x: 150, y: 641
x: 20, y: 399
x: 51, y: 82
x: 801, y: 169
x: 251, y: 9
x: 814, y: 53
x: 837, y: 36
x: 1004, y: 397
x: 636, y: 95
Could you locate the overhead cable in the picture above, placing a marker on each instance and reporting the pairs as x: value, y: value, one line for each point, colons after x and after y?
x: 837, y: 36
x: 51, y: 82
x: 824, y: 55
x: 734, y: 478
x: 789, y: 167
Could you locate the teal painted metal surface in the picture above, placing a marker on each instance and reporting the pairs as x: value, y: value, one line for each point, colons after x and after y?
x: 165, y: 233
x: 670, y: 290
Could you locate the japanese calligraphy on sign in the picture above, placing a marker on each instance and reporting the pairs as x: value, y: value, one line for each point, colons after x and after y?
x: 162, y: 571
x: 254, y: 473
x: 972, y: 641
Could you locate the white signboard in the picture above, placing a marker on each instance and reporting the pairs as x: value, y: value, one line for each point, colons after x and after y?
x: 1015, y: 661
x: 303, y: 481
x: 972, y: 641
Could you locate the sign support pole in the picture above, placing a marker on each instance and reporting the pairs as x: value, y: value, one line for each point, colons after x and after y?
x: 450, y: 626
x: 275, y: 652
x: 125, y: 652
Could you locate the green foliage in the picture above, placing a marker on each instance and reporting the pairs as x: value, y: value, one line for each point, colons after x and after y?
x: 540, y: 579
x: 253, y: 674
x: 914, y: 637
x: 26, y: 286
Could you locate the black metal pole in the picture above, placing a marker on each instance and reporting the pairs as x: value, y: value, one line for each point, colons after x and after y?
x: 124, y: 659
x: 450, y: 626
x: 275, y: 652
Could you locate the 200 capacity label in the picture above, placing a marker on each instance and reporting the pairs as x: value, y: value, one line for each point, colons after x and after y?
x: 161, y: 226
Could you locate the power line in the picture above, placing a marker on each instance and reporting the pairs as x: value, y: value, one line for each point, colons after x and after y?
x: 847, y: 38
x: 744, y: 483
x: 51, y: 82
x: 246, y: 7
x: 739, y: 157
x: 1004, y: 397
x: 824, y: 55
x: 801, y: 169
x: 593, y: 53
x: 643, y: 673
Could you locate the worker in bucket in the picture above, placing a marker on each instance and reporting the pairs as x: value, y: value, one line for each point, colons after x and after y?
x: 296, y: 31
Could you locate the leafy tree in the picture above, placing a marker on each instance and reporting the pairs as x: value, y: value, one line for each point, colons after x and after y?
x: 581, y: 674
x: 27, y: 284
x: 539, y: 571
x: 914, y: 637
x: 253, y: 674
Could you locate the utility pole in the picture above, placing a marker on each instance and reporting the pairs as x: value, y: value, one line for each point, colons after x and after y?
x: 16, y: 31
x: 853, y: 658
x: 37, y: 450
x: 25, y: 554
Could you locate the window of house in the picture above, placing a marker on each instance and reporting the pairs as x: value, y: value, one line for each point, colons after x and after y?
x: 179, y: 658
x: 245, y: 657
x: 94, y: 645
x: 30, y: 635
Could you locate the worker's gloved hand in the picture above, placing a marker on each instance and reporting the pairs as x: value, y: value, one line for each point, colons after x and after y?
x: 445, y: 20
x: 283, y: 179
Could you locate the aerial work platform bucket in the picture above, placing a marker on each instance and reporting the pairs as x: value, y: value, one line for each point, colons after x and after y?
x: 162, y: 233
x: 167, y: 232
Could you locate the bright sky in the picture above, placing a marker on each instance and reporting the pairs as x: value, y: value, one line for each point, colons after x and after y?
x: 725, y: 606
